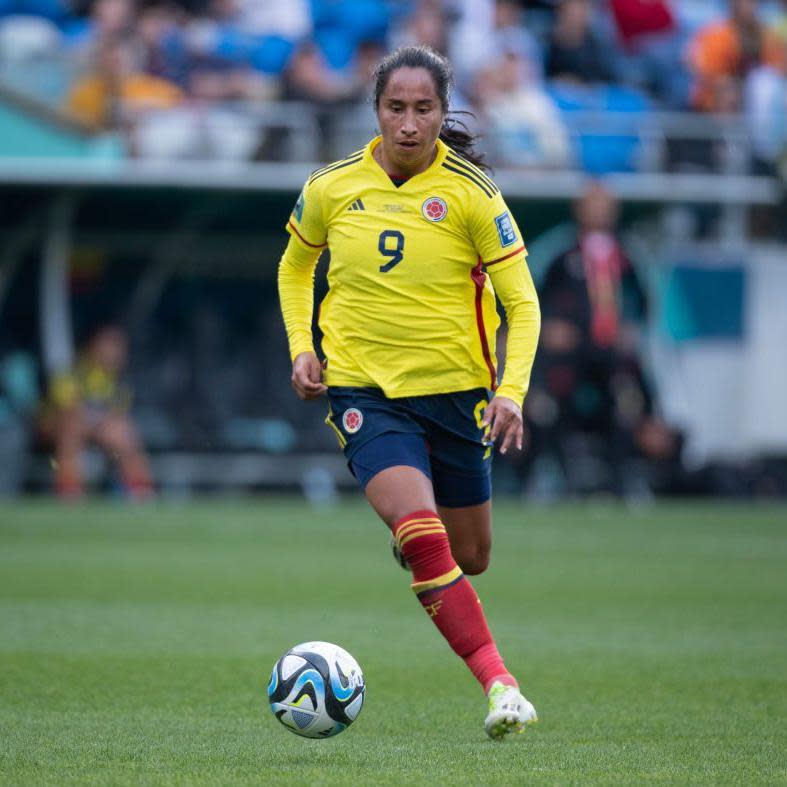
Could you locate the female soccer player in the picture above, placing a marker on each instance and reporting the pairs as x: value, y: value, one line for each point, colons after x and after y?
x: 418, y: 234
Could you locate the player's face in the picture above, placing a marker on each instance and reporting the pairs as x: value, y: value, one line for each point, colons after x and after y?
x: 410, y: 117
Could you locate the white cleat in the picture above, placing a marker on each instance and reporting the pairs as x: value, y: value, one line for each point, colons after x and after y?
x: 509, y: 711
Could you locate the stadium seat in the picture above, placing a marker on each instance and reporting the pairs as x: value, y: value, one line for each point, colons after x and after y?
x: 603, y: 144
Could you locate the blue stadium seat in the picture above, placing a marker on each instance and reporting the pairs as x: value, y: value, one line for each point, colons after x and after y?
x: 602, y: 144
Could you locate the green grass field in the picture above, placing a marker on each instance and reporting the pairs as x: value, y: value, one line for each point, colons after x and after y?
x: 136, y: 643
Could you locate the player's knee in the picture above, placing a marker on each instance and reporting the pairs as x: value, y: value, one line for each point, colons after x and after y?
x: 474, y: 561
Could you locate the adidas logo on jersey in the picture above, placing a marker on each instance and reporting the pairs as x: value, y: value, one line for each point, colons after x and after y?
x: 357, y: 205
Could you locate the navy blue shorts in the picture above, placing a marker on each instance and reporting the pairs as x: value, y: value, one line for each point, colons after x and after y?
x: 439, y: 434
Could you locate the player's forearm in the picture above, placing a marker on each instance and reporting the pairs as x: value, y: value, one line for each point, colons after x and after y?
x: 296, y: 295
x: 514, y: 287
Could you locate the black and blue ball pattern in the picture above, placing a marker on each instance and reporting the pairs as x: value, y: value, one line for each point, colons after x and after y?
x: 316, y: 689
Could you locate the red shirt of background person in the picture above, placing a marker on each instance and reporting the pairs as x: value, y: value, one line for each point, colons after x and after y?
x: 728, y: 50
x: 635, y: 18
x: 597, y: 320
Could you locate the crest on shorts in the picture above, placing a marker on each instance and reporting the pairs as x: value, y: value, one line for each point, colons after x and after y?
x: 434, y: 209
x: 352, y: 420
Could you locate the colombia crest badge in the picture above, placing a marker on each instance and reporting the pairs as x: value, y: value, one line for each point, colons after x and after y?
x: 434, y: 209
x: 352, y: 420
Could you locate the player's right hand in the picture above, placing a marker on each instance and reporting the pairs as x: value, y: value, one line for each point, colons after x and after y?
x: 307, y: 376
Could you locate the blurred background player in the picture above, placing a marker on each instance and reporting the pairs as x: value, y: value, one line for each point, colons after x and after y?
x: 89, y: 405
x: 408, y: 323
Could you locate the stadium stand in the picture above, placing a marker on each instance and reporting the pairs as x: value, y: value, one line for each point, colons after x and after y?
x: 155, y: 145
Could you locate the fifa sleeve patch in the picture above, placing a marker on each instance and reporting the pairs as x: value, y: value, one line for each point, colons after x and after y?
x: 505, y: 229
x: 298, y: 209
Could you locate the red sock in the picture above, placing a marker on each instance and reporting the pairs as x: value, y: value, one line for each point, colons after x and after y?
x: 448, y: 597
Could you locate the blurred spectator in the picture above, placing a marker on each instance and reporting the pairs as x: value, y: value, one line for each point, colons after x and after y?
x: 589, y: 405
x: 511, y: 34
x: 208, y: 57
x: 766, y: 106
x: 486, y: 28
x: 779, y: 25
x: 765, y: 110
x: 117, y: 89
x: 31, y: 57
x: 90, y: 406
x: 575, y: 52
x: 26, y: 37
x: 426, y: 25
x: 286, y: 19
x: 236, y: 49
x: 339, y: 96
x: 108, y: 19
x: 521, y: 121
x: 227, y: 54
x: 160, y: 31
x: 637, y: 18
x: 724, y: 53
x: 648, y: 55
x: 309, y: 77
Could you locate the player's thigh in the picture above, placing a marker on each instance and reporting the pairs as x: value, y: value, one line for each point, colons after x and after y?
x: 71, y: 430
x: 115, y: 433
x: 398, y: 491
x: 460, y: 464
x: 385, y: 449
x: 469, y: 531
x: 393, y: 470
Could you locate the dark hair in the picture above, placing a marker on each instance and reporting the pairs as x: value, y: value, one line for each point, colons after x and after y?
x: 454, y: 132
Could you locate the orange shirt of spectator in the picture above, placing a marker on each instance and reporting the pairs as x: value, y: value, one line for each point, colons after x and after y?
x: 718, y: 52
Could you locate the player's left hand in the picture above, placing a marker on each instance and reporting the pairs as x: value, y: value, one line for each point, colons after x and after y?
x: 504, y: 417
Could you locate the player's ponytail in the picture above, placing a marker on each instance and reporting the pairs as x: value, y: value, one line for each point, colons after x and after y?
x: 457, y: 136
x: 454, y: 132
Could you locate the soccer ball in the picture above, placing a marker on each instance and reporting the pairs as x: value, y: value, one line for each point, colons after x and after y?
x: 316, y: 689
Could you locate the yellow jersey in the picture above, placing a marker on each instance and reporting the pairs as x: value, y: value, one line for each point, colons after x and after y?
x: 409, y: 307
x: 91, y: 385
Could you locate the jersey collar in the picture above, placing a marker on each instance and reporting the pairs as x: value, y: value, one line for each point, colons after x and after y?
x: 442, y: 151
